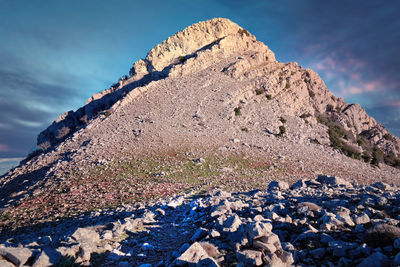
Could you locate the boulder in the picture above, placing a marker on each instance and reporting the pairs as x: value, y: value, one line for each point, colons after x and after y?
x: 18, y: 256
x: 375, y: 260
x: 278, y: 185
x: 192, y: 256
x: 249, y: 257
x: 48, y: 257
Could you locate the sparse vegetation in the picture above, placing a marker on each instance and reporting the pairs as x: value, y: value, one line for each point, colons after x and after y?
x: 366, y: 157
x: 268, y: 96
x: 387, y: 136
x: 107, y: 113
x: 238, y: 111
x: 33, y: 154
x: 311, y: 93
x: 392, y: 160
x: 182, y: 59
x: 377, y: 156
x: 329, y: 107
x: 259, y: 91
x: 287, y: 85
x: 282, y: 119
x: 337, y: 135
x: 282, y: 131
x: 305, y: 115
x: 245, y: 129
x: 315, y: 141
x: 242, y: 32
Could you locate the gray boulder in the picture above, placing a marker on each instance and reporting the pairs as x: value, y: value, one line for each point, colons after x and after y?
x: 18, y: 256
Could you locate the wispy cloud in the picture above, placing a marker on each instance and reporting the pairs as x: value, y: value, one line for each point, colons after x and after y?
x: 4, y: 148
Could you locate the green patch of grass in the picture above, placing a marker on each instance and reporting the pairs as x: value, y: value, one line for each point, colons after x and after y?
x: 238, y: 111
x: 282, y: 131
x: 182, y: 59
x: 259, y: 92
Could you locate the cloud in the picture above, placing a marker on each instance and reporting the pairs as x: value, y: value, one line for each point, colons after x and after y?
x: 4, y: 148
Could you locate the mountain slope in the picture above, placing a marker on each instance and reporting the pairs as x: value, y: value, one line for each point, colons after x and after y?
x: 208, y: 107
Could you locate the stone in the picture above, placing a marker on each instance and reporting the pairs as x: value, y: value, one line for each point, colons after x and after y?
x: 396, y: 259
x: 396, y: 243
x: 287, y: 258
x: 4, y: 263
x: 208, y: 262
x: 278, y: 185
x: 199, y: 234
x: 107, y: 235
x: 18, y: 256
x: 310, y: 206
x: 345, y: 218
x: 317, y: 253
x: 86, y: 235
x: 270, y: 243
x: 381, y: 186
x: 214, y: 233
x: 258, y: 229
x: 363, y: 218
x: 375, y: 260
x: 232, y: 223
x: 299, y: 184
x: 193, y: 255
x: 332, y: 181
x: 249, y: 257
x: 325, y: 238
x: 271, y: 260
x: 147, y: 247
x: 160, y: 211
x: 48, y: 257
x: 173, y: 204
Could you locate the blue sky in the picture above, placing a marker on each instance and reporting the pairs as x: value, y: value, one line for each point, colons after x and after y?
x: 56, y: 54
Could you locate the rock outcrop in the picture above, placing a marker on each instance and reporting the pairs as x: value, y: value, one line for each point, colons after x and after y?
x: 298, y: 91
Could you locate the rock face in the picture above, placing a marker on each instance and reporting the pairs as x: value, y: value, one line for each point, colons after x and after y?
x: 298, y: 91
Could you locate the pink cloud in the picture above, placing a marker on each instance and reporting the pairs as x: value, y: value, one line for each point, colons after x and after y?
x: 4, y: 148
x: 355, y: 76
x: 394, y: 103
x: 373, y: 86
x: 354, y: 90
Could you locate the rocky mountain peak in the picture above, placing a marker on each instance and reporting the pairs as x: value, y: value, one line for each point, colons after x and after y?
x: 216, y: 35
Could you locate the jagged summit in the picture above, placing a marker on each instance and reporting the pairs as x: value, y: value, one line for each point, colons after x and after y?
x: 208, y: 107
x: 197, y: 37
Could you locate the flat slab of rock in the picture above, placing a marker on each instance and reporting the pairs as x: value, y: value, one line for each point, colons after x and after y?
x: 18, y: 256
